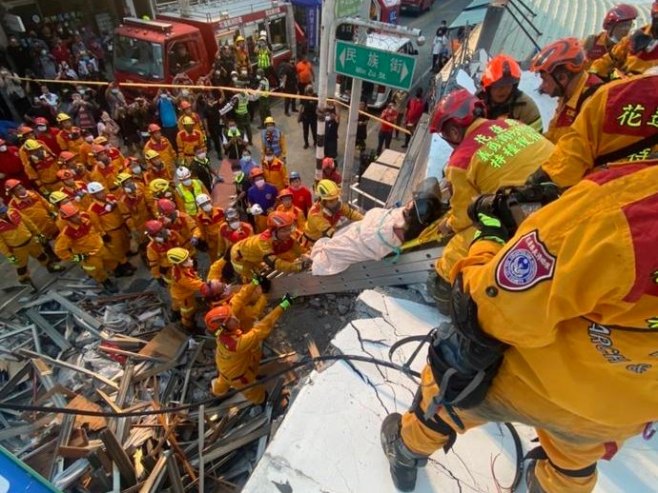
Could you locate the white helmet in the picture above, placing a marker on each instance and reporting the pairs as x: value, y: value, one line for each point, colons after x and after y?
x: 201, y: 199
x: 95, y: 187
x: 183, y: 173
x: 256, y: 210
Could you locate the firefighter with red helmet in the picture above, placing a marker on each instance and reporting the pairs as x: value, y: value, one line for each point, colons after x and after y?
x: 161, y: 240
x: 231, y: 231
x: 329, y: 171
x: 562, y: 68
x: 75, y: 190
x: 45, y: 134
x: 104, y: 169
x: 73, y: 162
x: 105, y: 215
x: 502, y: 96
x: 11, y: 166
x: 634, y: 54
x: 285, y: 198
x: 276, y: 248
x: 617, y: 23
x: 328, y: 213
x: 487, y: 155
x: 239, y: 349
x: 180, y: 222
x: 33, y: 206
x: 82, y: 243
x: 160, y: 144
x: 21, y: 239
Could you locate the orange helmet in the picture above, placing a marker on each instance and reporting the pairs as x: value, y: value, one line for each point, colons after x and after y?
x: 619, y: 13
x: 40, y: 120
x: 460, y: 107
x: 185, y: 105
x: 277, y: 220
x: 565, y: 52
x: 216, y: 318
x: 328, y: 162
x: 153, y: 227
x: 154, y: 127
x: 66, y: 156
x: 65, y: 174
x: 212, y: 289
x: 11, y: 184
x: 255, y: 172
x: 166, y: 206
x: 286, y: 192
x: 68, y: 210
x: 502, y: 70
x: 97, y: 149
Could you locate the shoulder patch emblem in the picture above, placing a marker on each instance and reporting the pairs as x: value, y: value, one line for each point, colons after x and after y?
x: 526, y: 264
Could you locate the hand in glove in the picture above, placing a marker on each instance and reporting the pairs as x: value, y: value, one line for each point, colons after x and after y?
x: 490, y: 228
x: 78, y: 257
x: 12, y: 259
x: 262, y: 281
x: 286, y: 301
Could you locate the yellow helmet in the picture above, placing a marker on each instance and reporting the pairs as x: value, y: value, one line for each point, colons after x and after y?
x: 32, y: 145
x: 61, y: 117
x: 239, y: 38
x: 56, y: 197
x: 188, y: 120
x: 269, y: 119
x: 177, y: 255
x: 121, y: 177
x: 158, y: 185
x: 328, y: 190
x: 151, y: 154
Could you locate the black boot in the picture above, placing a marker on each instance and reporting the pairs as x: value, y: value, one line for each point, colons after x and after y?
x: 110, y: 286
x: 531, y: 480
x: 403, y: 462
x: 441, y: 291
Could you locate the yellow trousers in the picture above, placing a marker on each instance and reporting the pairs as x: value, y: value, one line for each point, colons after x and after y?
x: 224, y: 383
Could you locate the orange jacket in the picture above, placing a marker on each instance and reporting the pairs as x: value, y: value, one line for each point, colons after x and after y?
x: 78, y: 193
x: 134, y: 210
x: 627, y: 59
x: 197, y: 122
x: 247, y: 305
x: 105, y: 215
x: 188, y: 143
x: 575, y: 294
x: 83, y: 238
x: 164, y: 148
x: 43, y: 171
x: 300, y: 220
x: 493, y: 153
x: 208, y: 225
x: 619, y: 114
x: 156, y: 253
x: 567, y: 109
x: 15, y: 231
x: 275, y: 172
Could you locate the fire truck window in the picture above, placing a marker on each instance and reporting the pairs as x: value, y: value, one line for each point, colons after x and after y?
x: 182, y: 56
x: 138, y: 57
x: 278, y: 34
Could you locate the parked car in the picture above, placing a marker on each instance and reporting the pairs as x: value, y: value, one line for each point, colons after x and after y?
x: 416, y: 6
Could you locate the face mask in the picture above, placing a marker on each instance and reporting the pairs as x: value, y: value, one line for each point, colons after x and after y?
x: 270, y: 127
x: 234, y: 78
x: 89, y: 139
x: 206, y: 207
x: 258, y: 77
x: 114, y: 91
x: 109, y: 207
x: 3, y: 148
x: 185, y: 92
x: 201, y: 156
x: 167, y: 195
x: 327, y: 118
x: 187, y: 182
x: 246, y: 157
x: 137, y: 170
x: 23, y: 194
x: 232, y: 129
x: 233, y: 224
x: 236, y: 173
x: 159, y: 239
x: 260, y: 183
x: 42, y: 128
x: 269, y: 159
x: 244, y: 73
x: 129, y: 188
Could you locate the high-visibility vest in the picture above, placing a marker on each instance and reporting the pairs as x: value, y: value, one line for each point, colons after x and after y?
x: 263, y: 60
x: 189, y: 196
x: 243, y: 105
x: 275, y: 143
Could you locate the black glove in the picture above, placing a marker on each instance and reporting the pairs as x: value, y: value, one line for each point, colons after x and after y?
x: 286, y: 301
x: 539, y: 176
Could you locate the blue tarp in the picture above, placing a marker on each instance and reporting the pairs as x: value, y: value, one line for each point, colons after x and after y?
x: 307, y: 3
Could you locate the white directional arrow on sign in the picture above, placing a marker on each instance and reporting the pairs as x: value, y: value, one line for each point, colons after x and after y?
x: 342, y: 57
x: 404, y: 72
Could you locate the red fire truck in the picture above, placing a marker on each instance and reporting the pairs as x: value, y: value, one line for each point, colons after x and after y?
x: 187, y: 34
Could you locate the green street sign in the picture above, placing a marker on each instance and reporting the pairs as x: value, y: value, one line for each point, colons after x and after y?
x: 347, y: 8
x: 377, y: 66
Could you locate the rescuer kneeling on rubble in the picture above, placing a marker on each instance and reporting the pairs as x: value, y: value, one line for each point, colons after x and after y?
x: 554, y: 328
x: 239, y: 350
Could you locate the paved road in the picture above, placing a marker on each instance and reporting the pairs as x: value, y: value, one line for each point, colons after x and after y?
x: 303, y: 160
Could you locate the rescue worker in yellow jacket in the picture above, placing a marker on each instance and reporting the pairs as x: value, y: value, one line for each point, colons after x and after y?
x: 33, y: 206
x: 41, y: 166
x: 161, y: 240
x: 634, y: 54
x: 239, y: 351
x: 231, y: 231
x: 285, y: 198
x: 619, y: 122
x: 617, y: 23
x: 274, y: 169
x: 133, y: 208
x: 180, y: 222
x: 157, y: 189
x: 550, y: 332
x: 161, y: 145
x: 328, y: 213
x: 275, y: 247
x: 502, y: 96
x: 185, y: 285
x: 76, y: 190
x: 188, y: 140
x: 488, y: 154
x: 187, y: 111
x: 561, y: 66
x: 57, y: 199
x: 156, y: 167
x: 69, y: 161
x: 209, y: 219
x: 104, y: 170
x: 20, y: 239
x: 187, y: 190
x: 81, y: 242
x: 69, y: 137
x: 105, y: 215
x: 247, y: 302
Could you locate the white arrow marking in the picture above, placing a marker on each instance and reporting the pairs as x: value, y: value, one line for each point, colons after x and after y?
x: 404, y: 71
x: 341, y: 58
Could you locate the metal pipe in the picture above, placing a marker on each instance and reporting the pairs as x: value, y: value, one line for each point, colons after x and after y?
x: 525, y: 31
x: 530, y: 23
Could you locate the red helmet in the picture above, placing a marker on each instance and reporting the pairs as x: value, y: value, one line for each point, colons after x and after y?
x: 184, y: 105
x: 23, y: 130
x: 66, y: 156
x: 502, y: 70
x: 166, y: 206
x: 565, y: 52
x: 68, y: 210
x: 328, y: 162
x: 40, y: 120
x: 460, y: 107
x: 65, y: 174
x: 286, y: 192
x: 154, y: 127
x: 11, y: 184
x: 255, y: 171
x: 619, y: 13
x: 217, y: 317
x: 278, y: 219
x: 153, y: 227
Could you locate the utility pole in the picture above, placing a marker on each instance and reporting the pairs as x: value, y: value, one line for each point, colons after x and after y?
x: 327, y: 35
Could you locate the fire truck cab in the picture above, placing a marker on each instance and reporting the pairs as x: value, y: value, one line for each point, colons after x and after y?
x: 185, y: 37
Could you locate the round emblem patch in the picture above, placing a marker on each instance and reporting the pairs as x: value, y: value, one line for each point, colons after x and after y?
x: 525, y: 264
